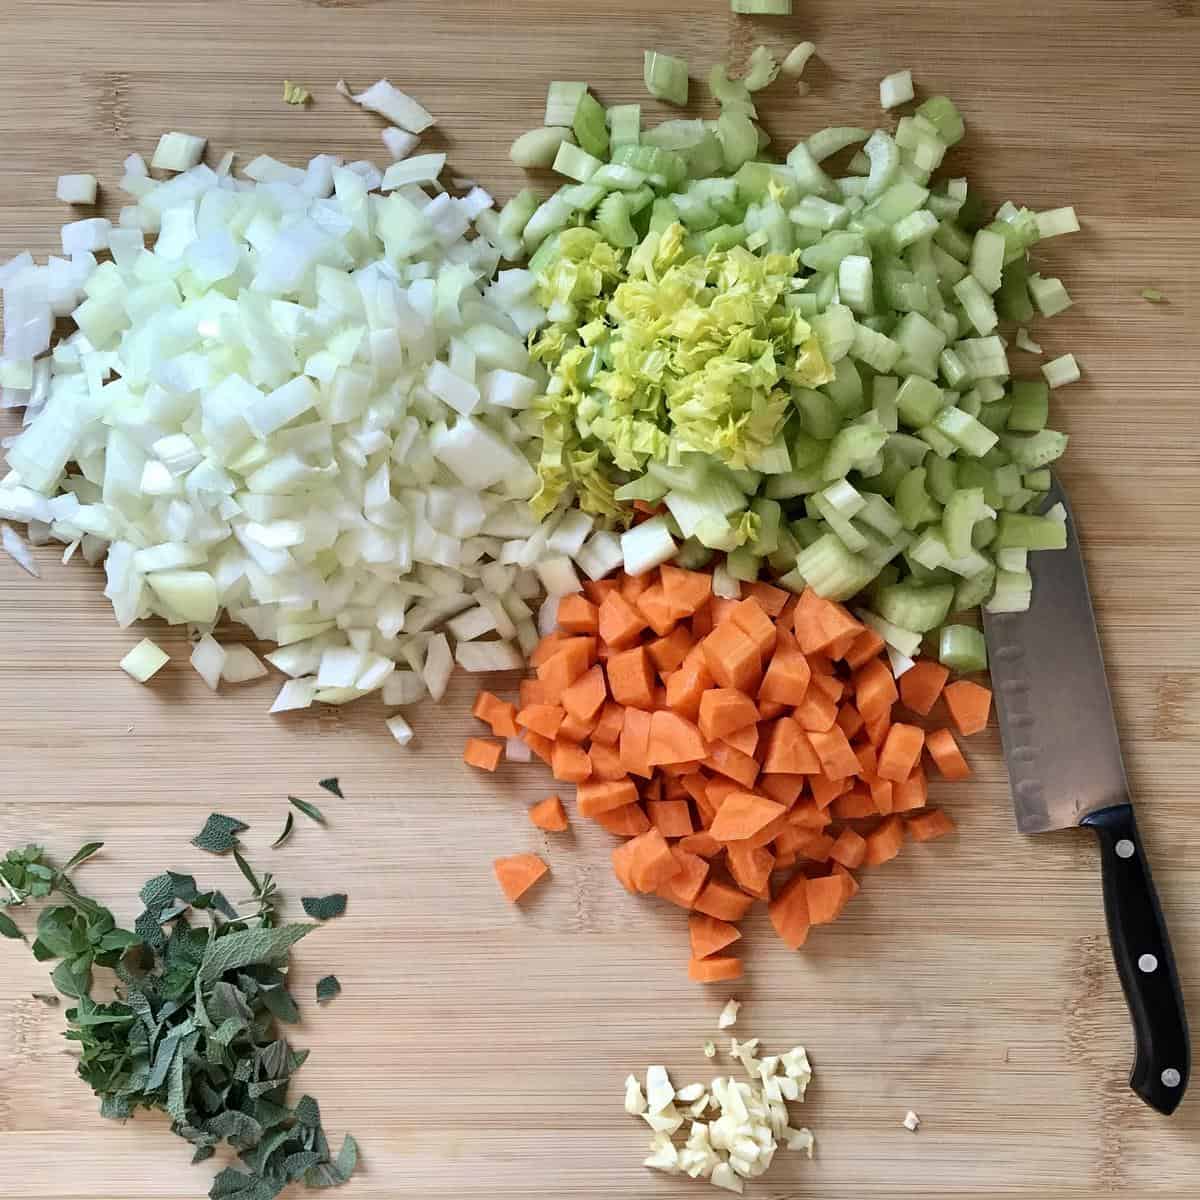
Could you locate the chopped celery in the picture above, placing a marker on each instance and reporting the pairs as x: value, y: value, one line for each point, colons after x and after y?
x: 974, y: 589
x: 613, y: 220
x: 819, y: 416
x: 987, y: 259
x: 666, y: 77
x: 953, y: 241
x: 906, y: 641
x: 968, y: 434
x: 952, y: 369
x: 963, y: 510
x: 1030, y: 406
x: 896, y: 89
x: 856, y: 283
x: 1057, y: 512
x: 1057, y: 221
x: 1038, y: 481
x: 846, y: 389
x: 783, y: 559
x: 538, y: 147
x: 1026, y: 343
x: 761, y: 69
x: 1012, y: 592
x: 1012, y: 300
x: 941, y: 477
x: 694, y: 555
x: 913, y: 228
x: 827, y: 142
x: 883, y: 401
x: 743, y: 565
x: 624, y: 123
x: 1153, y: 295
x: 1049, y: 295
x: 797, y: 59
x: 770, y: 517
x: 937, y: 441
x: 913, y: 502
x: 830, y: 569
x: 962, y: 648
x: 876, y: 349
x: 762, y: 8
x: 738, y: 136
x: 978, y: 305
x: 853, y: 447
x: 916, y: 607
x: 1037, y: 450
x: 1061, y: 371
x: 984, y: 357
x: 1024, y: 532
x: 647, y: 488
x: 920, y: 344
x: 591, y: 126
x: 562, y: 103
x: 576, y: 163
x: 918, y: 401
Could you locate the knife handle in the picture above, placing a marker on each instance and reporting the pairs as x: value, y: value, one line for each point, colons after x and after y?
x: 1145, y: 964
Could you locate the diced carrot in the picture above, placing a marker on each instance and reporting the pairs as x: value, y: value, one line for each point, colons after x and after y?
x: 577, y: 614
x: 482, y: 753
x: 674, y: 739
x: 767, y: 834
x: 751, y: 867
x: 620, y: 623
x: 632, y: 586
x: 808, y: 817
x: 606, y: 763
x: 874, y: 690
x: 927, y: 826
x: 718, y: 969
x: 635, y: 743
x: 789, y: 912
x: 752, y: 619
x: 825, y: 790
x: 866, y: 646
x: 609, y: 726
x: 838, y: 761
x: 499, y: 714
x: 969, y: 705
x: 852, y: 888
x: 687, y: 591
x: 722, y: 609
x: 672, y: 818
x: 807, y: 623
x: 817, y: 846
x: 702, y: 844
x: 833, y: 687
x: 668, y: 652
x: 723, y: 901
x: 732, y: 763
x: 534, y: 691
x: 624, y: 860
x: 884, y: 841
x: 674, y: 788
x: 786, y: 846
x: 631, y: 678
x: 911, y: 793
x: 652, y: 789
x: 518, y: 873
x: 770, y: 709
x: 576, y: 729
x: 771, y: 598
x: 710, y: 936
x: 789, y: 750
x: 570, y: 763
x: 598, y: 796
x: 827, y: 896
x: 549, y: 814
x: 707, y: 804
x: 742, y: 815
x: 849, y: 849
x: 542, y: 718
x: 724, y: 711
x: 782, y: 787
x: 585, y: 696
x: 654, y: 606
x: 543, y: 747
x: 944, y: 751
x: 856, y: 803
x: 818, y: 712
x: 883, y: 795
x: 878, y: 730
x: 627, y: 821
x: 787, y: 678
x: 840, y: 646
x: 745, y: 740
x: 653, y: 862
x: 687, y: 686
x: 733, y: 658
x: 596, y: 589
x: 702, y: 621
x: 548, y: 647
x: 573, y: 659
x: 901, y: 752
x: 868, y: 760
x: 684, y: 886
x: 922, y: 684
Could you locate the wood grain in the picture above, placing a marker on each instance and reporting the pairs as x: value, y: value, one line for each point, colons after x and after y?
x: 477, y: 1048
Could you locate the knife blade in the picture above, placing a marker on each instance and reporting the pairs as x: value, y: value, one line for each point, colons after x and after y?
x: 1065, y: 769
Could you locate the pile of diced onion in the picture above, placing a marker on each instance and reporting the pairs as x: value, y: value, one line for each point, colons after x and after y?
x: 304, y: 404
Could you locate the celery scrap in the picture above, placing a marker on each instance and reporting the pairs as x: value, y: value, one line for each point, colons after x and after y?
x: 1153, y: 295
x: 666, y: 77
x: 762, y: 8
x: 294, y: 93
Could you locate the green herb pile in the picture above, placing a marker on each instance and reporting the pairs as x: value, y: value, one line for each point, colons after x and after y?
x: 193, y: 1032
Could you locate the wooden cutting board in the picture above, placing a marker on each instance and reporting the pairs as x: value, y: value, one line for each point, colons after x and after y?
x: 479, y: 1049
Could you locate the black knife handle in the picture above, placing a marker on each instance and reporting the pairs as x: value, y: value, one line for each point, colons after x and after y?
x: 1145, y: 964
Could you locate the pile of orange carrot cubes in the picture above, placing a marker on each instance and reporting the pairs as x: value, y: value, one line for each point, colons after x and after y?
x: 726, y: 740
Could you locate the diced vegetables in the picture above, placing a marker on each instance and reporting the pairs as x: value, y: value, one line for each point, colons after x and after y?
x: 666, y: 77
x: 518, y: 873
x: 896, y: 89
x: 76, y: 189
x: 144, y: 661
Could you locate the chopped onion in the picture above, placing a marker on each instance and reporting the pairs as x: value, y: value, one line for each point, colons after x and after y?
x: 241, y: 665
x: 76, y: 189
x: 400, y: 729
x: 144, y: 661
x: 208, y: 658
x: 393, y: 104
x: 178, y: 152
x: 16, y: 549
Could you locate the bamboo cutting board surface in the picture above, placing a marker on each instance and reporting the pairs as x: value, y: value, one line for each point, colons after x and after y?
x: 479, y: 1049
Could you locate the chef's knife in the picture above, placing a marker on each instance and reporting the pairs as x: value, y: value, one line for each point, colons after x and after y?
x: 1065, y: 769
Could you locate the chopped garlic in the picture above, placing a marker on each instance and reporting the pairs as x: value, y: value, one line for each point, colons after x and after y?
x: 144, y: 661
x: 799, y: 1139
x: 912, y: 1121
x: 668, y: 1120
x: 691, y: 1093
x: 729, y: 1013
x: 710, y: 1049
x: 635, y: 1102
x: 664, y: 1156
x: 697, y: 1109
x: 659, y: 1092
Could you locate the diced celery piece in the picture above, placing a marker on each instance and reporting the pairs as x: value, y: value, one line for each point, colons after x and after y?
x: 830, y: 570
x: 1049, y: 295
x: 971, y: 402
x: 1012, y: 300
x: 647, y: 488
x: 916, y: 607
x: 591, y: 126
x: 965, y: 431
x: 941, y: 477
x: 977, y: 304
x: 1037, y: 450
x: 884, y: 389
x: 987, y: 259
x: 975, y: 589
x: 770, y: 518
x: 562, y: 103
x: 819, y: 416
x: 962, y: 648
x: 835, y: 329
x: 613, y: 221
x: 942, y: 113
x: 846, y: 389
x: 576, y: 163
x: 1038, y: 481
x: 762, y: 8
x: 937, y: 441
x: 963, y: 510
x: 828, y: 253
x: 1012, y: 593
x: 666, y: 77
x: 1057, y: 221
x: 913, y: 503
x: 920, y: 344
x: 953, y: 241
x: 877, y: 350
x: 624, y: 123
x: 1061, y: 371
x: 144, y: 661
x: 856, y: 283
x: 743, y: 565
x: 900, y: 200
x: 918, y: 401
x: 896, y: 89
x: 1030, y: 406
x: 913, y: 228
x: 852, y: 448
x: 983, y: 357
x: 1024, y: 532
x: 827, y: 142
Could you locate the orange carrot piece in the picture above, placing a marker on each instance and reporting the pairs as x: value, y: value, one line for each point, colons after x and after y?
x: 585, y: 696
x: 654, y: 606
x: 632, y: 586
x: 751, y: 867
x: 789, y: 912
x: 674, y: 739
x: 627, y: 821
x: 849, y: 849
x: 922, y: 684
x: 868, y: 760
x: 652, y: 789
x: 825, y: 790
x: 807, y: 624
x: 948, y: 758
x: 884, y: 841
x: 878, y: 730
x: 742, y: 815
x: 534, y: 691
x: 543, y: 747
x: 718, y: 969
x: 684, y: 886
x: 724, y: 711
x: 668, y: 652
x: 833, y: 687
x: 672, y: 818
x: 548, y: 647
x: 609, y: 726
x: 542, y: 718
x: 789, y: 750
x: 577, y: 614
x: 927, y: 826
x: 619, y: 622
x: 969, y: 705
x: 840, y: 646
x: 809, y: 817
x: 874, y: 690
x: 787, y: 678
x: 770, y: 709
x: 767, y: 834
x: 838, y: 761
x: 782, y: 787
x: 733, y: 764
x: 570, y: 763
x: 709, y: 936
x: 751, y: 618
x: 653, y: 863
x: 624, y: 860
x: 723, y: 901
x: 702, y: 844
x: 596, y: 589
x: 635, y: 743
x: 745, y: 740
x: 771, y: 598
x: 687, y: 686
x: 687, y: 591
x: 572, y: 660
x: 606, y: 763
x: 501, y: 715
x: 852, y: 888
x: 901, y: 752
x: 575, y: 729
x: 733, y: 658
x: 818, y: 712
x: 826, y: 897
x: 482, y: 753
x: 598, y: 796
x: 911, y: 793
x: 883, y: 795
x: 817, y: 846
x: 854, y: 805
x: 549, y: 814
x: 631, y: 678
x: 518, y: 873
x: 722, y: 609
x: 866, y: 646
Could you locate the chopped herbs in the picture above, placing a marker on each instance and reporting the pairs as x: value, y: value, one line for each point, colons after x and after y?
x: 287, y: 832
x: 324, y: 908
x: 219, y: 834
x: 309, y: 810
x: 193, y: 1030
x: 332, y: 785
